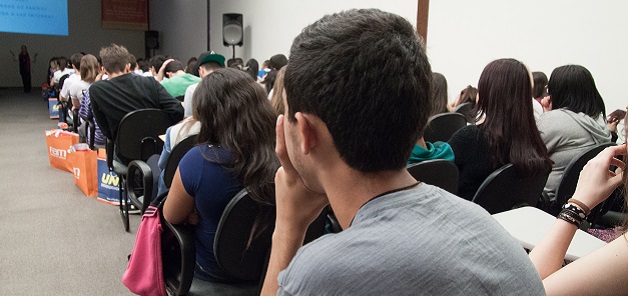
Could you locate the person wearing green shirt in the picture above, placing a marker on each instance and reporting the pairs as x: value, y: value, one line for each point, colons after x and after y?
x: 177, y: 80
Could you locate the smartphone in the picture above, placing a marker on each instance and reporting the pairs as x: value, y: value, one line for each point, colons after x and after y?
x: 616, y: 115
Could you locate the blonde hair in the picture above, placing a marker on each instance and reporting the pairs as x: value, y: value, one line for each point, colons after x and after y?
x: 277, y: 100
x: 89, y: 68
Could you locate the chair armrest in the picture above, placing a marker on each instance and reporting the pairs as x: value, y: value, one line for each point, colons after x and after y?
x: 179, y: 257
x: 139, y: 171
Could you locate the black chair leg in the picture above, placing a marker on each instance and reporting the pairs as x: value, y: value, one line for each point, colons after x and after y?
x: 124, y: 205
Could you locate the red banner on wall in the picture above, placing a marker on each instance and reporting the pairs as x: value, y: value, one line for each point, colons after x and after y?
x: 125, y: 14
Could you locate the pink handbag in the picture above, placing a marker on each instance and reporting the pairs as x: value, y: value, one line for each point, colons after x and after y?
x: 144, y: 274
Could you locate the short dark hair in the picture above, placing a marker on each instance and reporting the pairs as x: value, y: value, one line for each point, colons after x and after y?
x: 114, y: 58
x: 278, y: 61
x: 132, y: 61
x: 173, y: 67
x: 63, y: 62
x: 75, y: 59
x: 540, y: 85
x: 365, y: 74
x: 157, y: 61
x: 230, y: 62
x: 143, y: 65
x: 210, y: 66
x: 572, y: 87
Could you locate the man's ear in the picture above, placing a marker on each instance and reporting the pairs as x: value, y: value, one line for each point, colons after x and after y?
x: 309, y: 133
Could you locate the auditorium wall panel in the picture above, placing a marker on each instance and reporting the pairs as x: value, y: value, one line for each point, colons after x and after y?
x: 464, y: 36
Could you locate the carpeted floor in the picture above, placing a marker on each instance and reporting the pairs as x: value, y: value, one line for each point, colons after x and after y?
x: 53, y: 239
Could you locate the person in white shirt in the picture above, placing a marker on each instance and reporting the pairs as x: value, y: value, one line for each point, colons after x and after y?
x: 63, y: 69
x: 75, y: 77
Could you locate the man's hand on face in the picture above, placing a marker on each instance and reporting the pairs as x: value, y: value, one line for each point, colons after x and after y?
x: 297, y: 205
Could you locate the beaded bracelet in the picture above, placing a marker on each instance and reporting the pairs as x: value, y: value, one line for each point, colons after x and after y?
x: 584, y: 207
x: 571, y: 217
x: 576, y: 209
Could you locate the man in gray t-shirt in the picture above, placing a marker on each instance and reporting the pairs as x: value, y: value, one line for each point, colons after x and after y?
x: 417, y: 241
x: 357, y: 96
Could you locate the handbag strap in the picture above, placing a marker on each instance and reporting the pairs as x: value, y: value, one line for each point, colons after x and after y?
x: 158, y: 201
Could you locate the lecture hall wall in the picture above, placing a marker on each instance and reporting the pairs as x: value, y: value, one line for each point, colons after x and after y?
x: 463, y: 36
x: 269, y: 25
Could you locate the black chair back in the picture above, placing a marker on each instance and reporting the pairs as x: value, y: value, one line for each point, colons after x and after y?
x: 569, y: 180
x: 178, y: 151
x: 237, y: 256
x: 438, y: 172
x: 137, y: 139
x: 466, y: 109
x: 441, y: 127
x: 239, y: 259
x: 62, y: 81
x: 138, y: 134
x: 58, y: 86
x: 504, y: 190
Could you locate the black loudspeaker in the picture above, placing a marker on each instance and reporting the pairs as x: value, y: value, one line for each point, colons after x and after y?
x: 232, y: 31
x: 151, y: 39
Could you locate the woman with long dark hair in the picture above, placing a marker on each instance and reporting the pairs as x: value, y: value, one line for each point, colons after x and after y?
x: 575, y: 121
x: 508, y: 133
x: 252, y: 67
x: 235, y: 151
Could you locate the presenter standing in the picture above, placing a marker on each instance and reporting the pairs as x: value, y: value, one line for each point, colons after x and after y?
x: 25, y: 69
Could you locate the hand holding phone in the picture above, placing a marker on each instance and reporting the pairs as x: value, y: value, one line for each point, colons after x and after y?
x: 616, y: 116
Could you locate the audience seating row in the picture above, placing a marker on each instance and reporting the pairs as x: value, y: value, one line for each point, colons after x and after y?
x: 139, y: 130
x: 502, y: 190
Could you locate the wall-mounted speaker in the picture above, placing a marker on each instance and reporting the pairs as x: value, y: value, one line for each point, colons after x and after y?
x: 232, y: 29
x: 151, y: 39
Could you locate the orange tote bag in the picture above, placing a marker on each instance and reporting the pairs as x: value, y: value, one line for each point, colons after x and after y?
x: 83, y: 164
x: 58, y: 143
